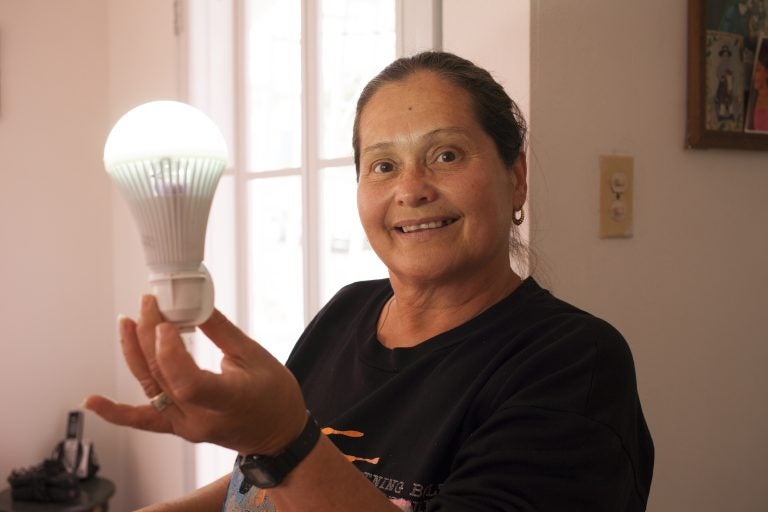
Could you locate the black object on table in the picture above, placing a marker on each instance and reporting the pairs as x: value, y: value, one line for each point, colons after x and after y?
x: 94, y: 497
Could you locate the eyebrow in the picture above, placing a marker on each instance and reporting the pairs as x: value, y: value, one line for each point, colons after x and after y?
x: 427, y: 136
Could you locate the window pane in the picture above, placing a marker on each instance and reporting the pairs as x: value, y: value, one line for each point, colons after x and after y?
x: 357, y: 41
x: 275, y: 263
x: 220, y: 260
x: 273, y: 84
x: 345, y: 255
x: 219, y: 244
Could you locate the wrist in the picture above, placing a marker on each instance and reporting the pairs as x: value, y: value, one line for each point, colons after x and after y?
x: 267, y: 471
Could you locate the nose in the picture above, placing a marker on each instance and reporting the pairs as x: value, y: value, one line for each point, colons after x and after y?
x: 415, y: 186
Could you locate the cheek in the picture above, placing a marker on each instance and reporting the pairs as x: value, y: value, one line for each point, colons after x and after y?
x: 368, y: 209
x: 492, y: 198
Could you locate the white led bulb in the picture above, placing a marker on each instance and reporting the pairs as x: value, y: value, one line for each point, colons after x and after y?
x: 166, y: 158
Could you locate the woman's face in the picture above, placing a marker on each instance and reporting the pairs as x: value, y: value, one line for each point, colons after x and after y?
x: 434, y: 197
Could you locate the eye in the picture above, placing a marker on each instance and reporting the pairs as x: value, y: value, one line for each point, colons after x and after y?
x: 383, y: 167
x: 446, y: 157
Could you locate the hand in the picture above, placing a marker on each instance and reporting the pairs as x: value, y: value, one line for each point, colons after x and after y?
x: 253, y: 406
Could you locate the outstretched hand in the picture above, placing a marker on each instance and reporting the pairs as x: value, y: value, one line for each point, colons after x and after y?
x: 253, y: 406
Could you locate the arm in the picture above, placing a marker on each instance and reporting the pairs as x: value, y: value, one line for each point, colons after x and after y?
x: 326, y: 482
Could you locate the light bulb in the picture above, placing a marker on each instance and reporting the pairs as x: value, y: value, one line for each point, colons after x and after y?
x: 166, y: 158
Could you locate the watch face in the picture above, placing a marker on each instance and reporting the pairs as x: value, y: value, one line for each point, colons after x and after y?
x: 261, y: 472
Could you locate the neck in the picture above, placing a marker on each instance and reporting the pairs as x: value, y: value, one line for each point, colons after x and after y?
x: 419, y: 311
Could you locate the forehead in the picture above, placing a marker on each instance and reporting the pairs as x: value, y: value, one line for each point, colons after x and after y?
x: 423, y: 101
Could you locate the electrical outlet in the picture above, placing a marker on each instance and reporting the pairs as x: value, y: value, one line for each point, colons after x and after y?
x: 616, y: 196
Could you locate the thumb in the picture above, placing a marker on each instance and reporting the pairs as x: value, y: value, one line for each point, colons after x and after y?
x: 227, y: 336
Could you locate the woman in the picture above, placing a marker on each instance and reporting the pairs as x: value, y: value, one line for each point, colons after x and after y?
x: 454, y: 385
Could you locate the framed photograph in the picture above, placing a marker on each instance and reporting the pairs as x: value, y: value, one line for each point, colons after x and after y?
x: 727, y: 80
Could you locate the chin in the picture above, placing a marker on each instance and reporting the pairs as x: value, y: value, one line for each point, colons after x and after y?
x: 426, y: 271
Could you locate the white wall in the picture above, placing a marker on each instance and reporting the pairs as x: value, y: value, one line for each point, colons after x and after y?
x: 71, y: 258
x: 494, y: 34
x: 689, y: 289
x: 57, y: 341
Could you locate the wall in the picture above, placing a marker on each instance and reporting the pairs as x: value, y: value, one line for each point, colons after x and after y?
x: 71, y: 258
x: 689, y: 289
x: 504, y: 48
x: 57, y: 343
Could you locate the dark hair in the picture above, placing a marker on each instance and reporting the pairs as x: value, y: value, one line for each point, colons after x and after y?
x: 499, y: 116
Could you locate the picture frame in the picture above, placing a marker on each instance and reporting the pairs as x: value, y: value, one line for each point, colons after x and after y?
x: 724, y: 99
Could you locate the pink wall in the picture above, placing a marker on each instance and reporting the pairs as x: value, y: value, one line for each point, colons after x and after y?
x: 57, y: 342
x: 70, y: 258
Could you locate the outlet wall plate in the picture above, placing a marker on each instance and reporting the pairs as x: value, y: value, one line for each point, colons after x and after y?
x: 616, y: 196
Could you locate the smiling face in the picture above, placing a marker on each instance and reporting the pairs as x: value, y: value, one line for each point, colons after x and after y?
x: 434, y: 196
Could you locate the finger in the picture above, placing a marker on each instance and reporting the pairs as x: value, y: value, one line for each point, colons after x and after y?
x: 143, y: 417
x: 228, y: 337
x: 134, y: 357
x: 185, y: 381
x: 149, y: 318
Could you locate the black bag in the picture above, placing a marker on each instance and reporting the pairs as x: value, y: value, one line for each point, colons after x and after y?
x: 46, y: 482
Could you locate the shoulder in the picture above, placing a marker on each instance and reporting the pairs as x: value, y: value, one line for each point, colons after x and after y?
x: 567, y: 329
x: 562, y: 357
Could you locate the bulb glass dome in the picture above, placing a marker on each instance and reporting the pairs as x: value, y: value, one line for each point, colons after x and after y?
x: 162, y: 129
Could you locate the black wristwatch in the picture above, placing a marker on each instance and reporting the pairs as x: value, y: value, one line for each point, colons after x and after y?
x: 266, y: 472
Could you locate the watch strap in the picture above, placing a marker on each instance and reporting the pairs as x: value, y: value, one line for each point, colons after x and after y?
x: 278, y: 466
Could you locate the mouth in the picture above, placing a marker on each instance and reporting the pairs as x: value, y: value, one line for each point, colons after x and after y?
x: 423, y: 226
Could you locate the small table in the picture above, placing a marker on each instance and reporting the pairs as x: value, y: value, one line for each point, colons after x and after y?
x: 94, y: 497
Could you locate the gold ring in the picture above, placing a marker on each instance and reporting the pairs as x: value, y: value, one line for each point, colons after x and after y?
x: 160, y: 401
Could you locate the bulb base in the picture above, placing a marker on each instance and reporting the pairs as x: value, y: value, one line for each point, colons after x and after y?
x: 185, y: 298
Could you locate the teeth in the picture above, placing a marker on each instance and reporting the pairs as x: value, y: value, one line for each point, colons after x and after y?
x: 426, y: 225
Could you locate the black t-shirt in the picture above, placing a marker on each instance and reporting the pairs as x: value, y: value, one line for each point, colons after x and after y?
x: 530, y: 406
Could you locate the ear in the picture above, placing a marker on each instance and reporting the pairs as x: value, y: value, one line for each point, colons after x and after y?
x: 520, y: 180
